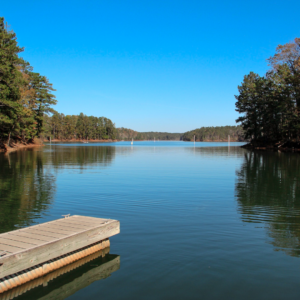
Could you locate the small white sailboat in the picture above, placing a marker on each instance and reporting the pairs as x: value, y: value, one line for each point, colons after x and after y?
x: 132, y: 142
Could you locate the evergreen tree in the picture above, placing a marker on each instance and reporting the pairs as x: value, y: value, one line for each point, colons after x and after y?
x: 270, y: 105
x: 10, y: 79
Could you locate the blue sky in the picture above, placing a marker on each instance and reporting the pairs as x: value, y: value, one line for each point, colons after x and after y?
x: 151, y: 65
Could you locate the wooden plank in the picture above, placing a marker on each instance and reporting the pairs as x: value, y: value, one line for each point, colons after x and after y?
x: 79, y: 220
x: 11, y: 249
x: 16, y: 262
x: 35, y: 226
x: 74, y: 225
x: 46, y: 232
x: 15, y: 243
x: 60, y: 230
x: 22, y: 239
x: 77, y: 224
x: 61, y: 222
x: 63, y: 229
x: 90, y: 218
x: 34, y: 236
x: 88, y: 221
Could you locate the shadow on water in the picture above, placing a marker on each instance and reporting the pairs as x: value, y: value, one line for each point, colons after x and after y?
x: 268, y: 191
x: 66, y: 281
x: 26, y: 188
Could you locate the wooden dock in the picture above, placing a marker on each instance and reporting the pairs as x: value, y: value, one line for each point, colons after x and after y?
x: 34, y: 251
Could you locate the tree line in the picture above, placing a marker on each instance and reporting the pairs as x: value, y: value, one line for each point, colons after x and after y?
x: 202, y: 134
x: 59, y: 126
x: 218, y: 133
x: 270, y: 105
x: 25, y: 96
x: 128, y: 134
x: 26, y: 100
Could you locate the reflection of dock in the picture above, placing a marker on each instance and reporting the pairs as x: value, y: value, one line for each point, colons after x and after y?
x: 66, y: 281
x: 32, y: 252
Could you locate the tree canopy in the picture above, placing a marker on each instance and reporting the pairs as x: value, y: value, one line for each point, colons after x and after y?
x: 25, y: 96
x: 219, y: 133
x: 27, y: 99
x: 59, y: 126
x: 128, y: 134
x: 270, y: 105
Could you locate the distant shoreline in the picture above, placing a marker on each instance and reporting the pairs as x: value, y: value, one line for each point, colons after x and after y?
x: 136, y: 140
x: 39, y: 143
x: 80, y: 141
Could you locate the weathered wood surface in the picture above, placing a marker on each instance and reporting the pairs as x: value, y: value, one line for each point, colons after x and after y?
x: 33, y: 245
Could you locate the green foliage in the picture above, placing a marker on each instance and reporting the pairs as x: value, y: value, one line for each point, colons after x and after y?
x: 270, y: 105
x: 215, y: 134
x: 83, y: 127
x: 128, y: 134
x: 26, y: 100
x: 10, y: 80
x: 25, y: 96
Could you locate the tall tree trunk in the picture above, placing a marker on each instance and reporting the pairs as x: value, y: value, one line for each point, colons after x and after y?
x: 8, y: 139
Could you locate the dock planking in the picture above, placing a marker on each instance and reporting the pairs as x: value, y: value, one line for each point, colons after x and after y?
x: 27, y: 247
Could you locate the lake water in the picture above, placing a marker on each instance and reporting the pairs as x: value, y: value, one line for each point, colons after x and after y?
x: 198, y: 221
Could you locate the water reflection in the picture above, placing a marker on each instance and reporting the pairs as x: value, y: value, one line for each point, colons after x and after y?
x: 232, y: 151
x: 26, y: 188
x: 66, y: 281
x: 28, y: 180
x: 268, y: 191
x: 81, y: 157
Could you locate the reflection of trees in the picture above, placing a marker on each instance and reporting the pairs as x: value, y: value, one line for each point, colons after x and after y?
x: 83, y: 156
x: 268, y: 191
x: 26, y: 188
x: 219, y: 150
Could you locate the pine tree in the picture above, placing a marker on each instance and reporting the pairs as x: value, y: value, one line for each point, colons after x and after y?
x: 10, y: 80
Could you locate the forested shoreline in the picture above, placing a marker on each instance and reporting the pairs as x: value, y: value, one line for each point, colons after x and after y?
x: 27, y: 116
x: 81, y: 127
x: 25, y: 96
x: 128, y: 134
x: 203, y: 134
x: 270, y: 105
x: 215, y: 134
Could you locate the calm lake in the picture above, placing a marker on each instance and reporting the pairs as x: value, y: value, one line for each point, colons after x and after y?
x: 198, y: 221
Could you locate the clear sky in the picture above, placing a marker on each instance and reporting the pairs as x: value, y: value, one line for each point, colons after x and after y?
x: 151, y: 65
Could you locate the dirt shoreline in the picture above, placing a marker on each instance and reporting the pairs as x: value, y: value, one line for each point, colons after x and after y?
x: 18, y: 146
